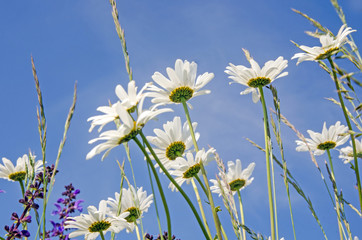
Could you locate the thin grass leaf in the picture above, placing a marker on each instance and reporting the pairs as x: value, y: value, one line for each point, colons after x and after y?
x: 312, y: 21
x: 121, y: 36
x: 296, y: 186
x: 227, y: 196
x: 337, y: 208
x: 62, y: 142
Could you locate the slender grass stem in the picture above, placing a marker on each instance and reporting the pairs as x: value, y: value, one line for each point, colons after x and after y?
x: 206, y: 181
x: 335, y: 196
x: 267, y: 155
x: 133, y: 176
x: 242, y: 214
x: 356, y: 170
x: 22, y: 187
x: 164, y: 202
x: 120, y: 196
x: 154, y: 200
x: 193, y: 209
x: 288, y: 194
x: 201, y: 184
x: 137, y: 231
x: 102, y: 235
x: 200, y: 206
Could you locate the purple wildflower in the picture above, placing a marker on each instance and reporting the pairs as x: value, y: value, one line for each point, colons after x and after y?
x: 163, y: 237
x: 64, y: 207
x: 34, y: 192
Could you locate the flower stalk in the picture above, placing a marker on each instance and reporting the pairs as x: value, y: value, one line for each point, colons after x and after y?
x: 335, y: 196
x: 268, y: 168
x: 336, y: 81
x: 164, y: 202
x: 193, y: 209
x: 206, y: 181
x: 242, y: 214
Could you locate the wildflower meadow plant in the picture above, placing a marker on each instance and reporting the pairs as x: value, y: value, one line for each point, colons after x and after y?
x: 168, y: 181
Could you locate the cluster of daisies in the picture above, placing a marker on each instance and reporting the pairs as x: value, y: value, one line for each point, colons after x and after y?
x: 174, y: 144
x: 113, y: 215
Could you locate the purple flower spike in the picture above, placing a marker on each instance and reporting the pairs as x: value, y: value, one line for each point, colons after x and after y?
x: 25, y: 233
x: 64, y: 207
x: 26, y: 219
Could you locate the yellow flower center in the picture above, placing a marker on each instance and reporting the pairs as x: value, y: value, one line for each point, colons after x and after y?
x: 181, y: 94
x: 192, y: 171
x: 99, y: 226
x: 175, y: 149
x: 237, y: 184
x: 134, y: 214
x: 258, y: 82
x: 327, y: 53
x: 326, y: 145
x: 17, y: 176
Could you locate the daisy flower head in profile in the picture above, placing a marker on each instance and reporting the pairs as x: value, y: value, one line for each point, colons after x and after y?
x: 23, y: 168
x: 330, y: 46
x: 128, y: 100
x: 173, y: 141
x: 110, y: 115
x: 96, y: 222
x: 255, y: 77
x: 189, y: 167
x: 236, y: 177
x: 181, y: 84
x: 133, y: 202
x: 346, y: 153
x: 128, y: 130
x: 320, y: 142
x: 131, y: 98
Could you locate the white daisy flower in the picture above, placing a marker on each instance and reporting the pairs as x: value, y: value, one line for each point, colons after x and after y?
x: 173, y: 141
x: 110, y: 115
x: 347, y: 152
x: 127, y: 131
x: 132, y: 202
x: 328, y: 139
x: 21, y: 170
x: 330, y: 46
x: 255, y: 76
x: 130, y: 99
x: 186, y: 169
x: 236, y: 177
x: 181, y: 84
x: 90, y: 225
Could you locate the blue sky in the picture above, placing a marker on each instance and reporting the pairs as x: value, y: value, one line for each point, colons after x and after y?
x: 76, y: 41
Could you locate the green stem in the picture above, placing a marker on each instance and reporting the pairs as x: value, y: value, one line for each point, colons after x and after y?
x: 167, y: 212
x: 206, y: 181
x: 335, y: 196
x: 267, y: 155
x: 119, y: 202
x: 200, y: 206
x: 201, y: 184
x: 336, y: 81
x: 137, y: 231
x: 288, y: 194
x: 242, y: 214
x: 102, y: 236
x: 154, y: 199
x: 133, y: 176
x: 22, y: 187
x: 193, y: 209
